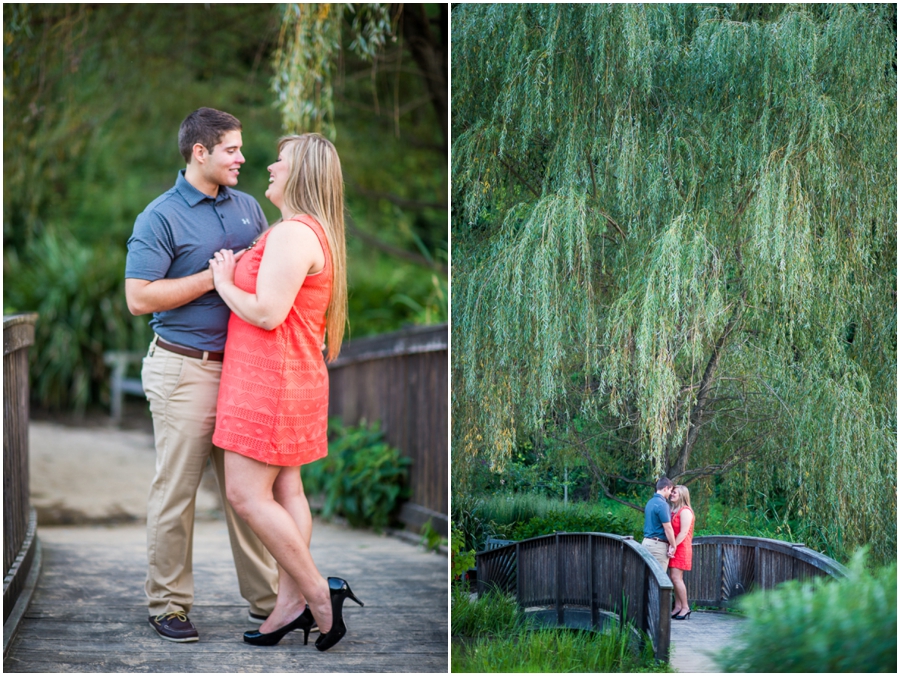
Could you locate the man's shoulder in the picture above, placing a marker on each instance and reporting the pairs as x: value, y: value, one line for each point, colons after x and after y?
x: 165, y: 204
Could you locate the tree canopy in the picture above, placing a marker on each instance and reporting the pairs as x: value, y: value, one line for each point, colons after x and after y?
x: 674, y: 236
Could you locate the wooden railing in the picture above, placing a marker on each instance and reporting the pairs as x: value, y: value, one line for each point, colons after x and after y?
x: 19, y: 520
x: 598, y: 571
x: 607, y: 573
x: 400, y: 379
x: 726, y: 566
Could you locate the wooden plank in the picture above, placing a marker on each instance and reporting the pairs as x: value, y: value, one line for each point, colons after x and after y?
x: 89, y: 611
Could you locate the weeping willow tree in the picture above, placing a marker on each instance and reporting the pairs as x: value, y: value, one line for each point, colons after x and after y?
x: 309, y: 48
x: 674, y: 240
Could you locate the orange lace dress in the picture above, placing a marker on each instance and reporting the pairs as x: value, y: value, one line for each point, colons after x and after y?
x: 273, y: 396
x: 684, y: 555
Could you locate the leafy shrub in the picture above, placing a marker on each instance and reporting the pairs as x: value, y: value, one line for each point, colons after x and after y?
x: 575, y: 519
x: 362, y: 479
x: 466, y: 514
x: 847, y: 625
x: 460, y: 560
x: 79, y: 295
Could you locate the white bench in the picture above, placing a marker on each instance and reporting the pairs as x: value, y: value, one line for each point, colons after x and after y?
x: 119, y: 385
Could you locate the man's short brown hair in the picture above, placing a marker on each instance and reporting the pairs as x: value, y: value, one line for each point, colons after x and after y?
x: 205, y: 126
x: 663, y: 483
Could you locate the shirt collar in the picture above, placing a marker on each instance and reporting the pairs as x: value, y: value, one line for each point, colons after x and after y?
x: 193, y: 196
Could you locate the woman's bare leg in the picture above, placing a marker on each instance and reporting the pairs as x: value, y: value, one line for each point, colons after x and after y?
x: 288, y: 492
x: 681, y: 602
x: 249, y: 486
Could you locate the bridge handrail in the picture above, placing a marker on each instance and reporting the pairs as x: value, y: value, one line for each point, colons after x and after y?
x: 19, y: 520
x: 797, y: 550
x: 400, y: 379
x: 570, y: 569
x: 727, y: 566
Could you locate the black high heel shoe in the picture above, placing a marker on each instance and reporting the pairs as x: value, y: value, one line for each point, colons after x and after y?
x: 685, y: 616
x: 304, y: 621
x: 339, y: 590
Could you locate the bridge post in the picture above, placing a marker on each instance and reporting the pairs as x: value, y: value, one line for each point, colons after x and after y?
x: 720, y: 567
x: 595, y: 614
x: 519, y: 577
x: 560, y: 613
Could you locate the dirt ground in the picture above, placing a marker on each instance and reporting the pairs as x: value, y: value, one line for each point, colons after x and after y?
x: 86, y: 471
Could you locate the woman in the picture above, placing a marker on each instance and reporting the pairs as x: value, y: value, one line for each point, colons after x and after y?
x: 272, y: 411
x: 683, y: 525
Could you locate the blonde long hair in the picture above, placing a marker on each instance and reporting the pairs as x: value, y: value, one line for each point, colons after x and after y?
x: 684, y: 499
x: 315, y: 186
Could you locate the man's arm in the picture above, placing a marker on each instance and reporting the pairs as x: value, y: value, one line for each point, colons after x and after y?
x: 144, y: 297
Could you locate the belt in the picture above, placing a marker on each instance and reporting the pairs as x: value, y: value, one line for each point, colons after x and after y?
x: 658, y: 540
x: 190, y: 352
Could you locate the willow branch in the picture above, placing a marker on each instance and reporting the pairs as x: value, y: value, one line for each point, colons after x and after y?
x: 518, y: 176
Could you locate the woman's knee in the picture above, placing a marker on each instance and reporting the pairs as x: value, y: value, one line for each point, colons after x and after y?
x: 241, y: 499
x: 247, y: 483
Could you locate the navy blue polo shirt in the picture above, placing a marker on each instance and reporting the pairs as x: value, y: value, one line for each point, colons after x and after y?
x: 656, y: 513
x: 175, y: 237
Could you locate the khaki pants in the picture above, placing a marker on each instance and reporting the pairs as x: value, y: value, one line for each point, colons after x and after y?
x: 182, y: 392
x: 659, y: 550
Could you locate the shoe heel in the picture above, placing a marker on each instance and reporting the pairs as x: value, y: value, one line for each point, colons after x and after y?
x: 353, y: 596
x: 305, y: 635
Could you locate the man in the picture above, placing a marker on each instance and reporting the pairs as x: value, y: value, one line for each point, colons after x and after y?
x: 658, y: 534
x: 167, y: 273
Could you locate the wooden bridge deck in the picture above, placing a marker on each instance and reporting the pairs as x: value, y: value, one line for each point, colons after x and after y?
x: 695, y: 638
x: 88, y: 613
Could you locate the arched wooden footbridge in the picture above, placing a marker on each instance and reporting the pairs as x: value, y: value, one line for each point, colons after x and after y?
x: 588, y: 579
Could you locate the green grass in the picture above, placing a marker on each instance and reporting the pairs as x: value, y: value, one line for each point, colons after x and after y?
x: 491, y: 635
x: 846, y: 625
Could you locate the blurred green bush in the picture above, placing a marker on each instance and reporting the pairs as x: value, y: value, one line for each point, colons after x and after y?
x: 79, y: 294
x: 362, y: 479
x: 846, y: 625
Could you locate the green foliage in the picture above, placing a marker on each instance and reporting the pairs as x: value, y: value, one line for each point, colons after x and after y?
x: 847, y: 625
x: 460, y: 560
x: 675, y: 245
x: 490, y: 635
x: 431, y: 539
x: 62, y: 280
x: 466, y: 518
x: 517, y: 516
x: 575, y: 519
x: 362, y: 478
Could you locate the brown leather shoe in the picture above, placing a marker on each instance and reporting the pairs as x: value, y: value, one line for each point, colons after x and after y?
x: 175, y: 627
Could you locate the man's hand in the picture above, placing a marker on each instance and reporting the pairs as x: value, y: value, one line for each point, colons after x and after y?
x: 671, y: 551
